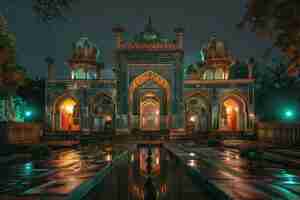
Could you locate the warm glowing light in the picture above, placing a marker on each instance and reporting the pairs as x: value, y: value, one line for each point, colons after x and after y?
x: 229, y: 109
x: 108, y: 157
x: 157, y: 112
x: 108, y: 118
x: 157, y: 160
x: 192, y: 163
x: 68, y: 106
x: 251, y: 115
x: 132, y: 158
x: 192, y: 154
x: 193, y: 118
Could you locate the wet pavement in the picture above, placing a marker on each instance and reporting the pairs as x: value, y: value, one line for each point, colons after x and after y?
x: 169, y: 178
x: 153, y: 170
x: 230, y: 173
x: 56, y: 177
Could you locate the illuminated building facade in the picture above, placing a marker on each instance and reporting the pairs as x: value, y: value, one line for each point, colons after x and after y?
x: 151, y: 89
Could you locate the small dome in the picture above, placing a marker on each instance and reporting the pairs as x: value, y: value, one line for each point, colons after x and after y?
x: 86, y: 50
x: 215, y: 49
x: 84, y: 42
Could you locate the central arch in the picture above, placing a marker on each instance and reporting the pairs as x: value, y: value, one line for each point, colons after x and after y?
x: 233, y: 113
x: 141, y: 80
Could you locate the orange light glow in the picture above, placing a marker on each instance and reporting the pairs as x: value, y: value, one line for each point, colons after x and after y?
x: 232, y: 112
x: 67, y: 108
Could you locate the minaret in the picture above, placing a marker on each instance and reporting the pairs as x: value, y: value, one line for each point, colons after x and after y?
x: 118, y: 31
x: 179, y: 37
x: 250, y: 66
x: 51, y: 68
x: 3, y: 24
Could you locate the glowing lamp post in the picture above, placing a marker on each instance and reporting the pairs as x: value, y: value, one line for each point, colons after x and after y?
x: 289, y: 114
x: 28, y: 115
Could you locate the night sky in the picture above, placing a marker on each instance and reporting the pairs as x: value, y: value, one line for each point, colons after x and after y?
x: 95, y: 18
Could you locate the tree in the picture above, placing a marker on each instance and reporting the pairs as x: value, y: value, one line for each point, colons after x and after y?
x: 238, y: 71
x: 12, y: 76
x: 49, y: 10
x: 277, y: 20
x: 274, y: 90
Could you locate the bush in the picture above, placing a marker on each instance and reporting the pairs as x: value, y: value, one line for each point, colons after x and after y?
x: 213, y: 142
x: 40, y: 152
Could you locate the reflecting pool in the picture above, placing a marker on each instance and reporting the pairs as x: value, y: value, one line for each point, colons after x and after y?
x: 150, y: 172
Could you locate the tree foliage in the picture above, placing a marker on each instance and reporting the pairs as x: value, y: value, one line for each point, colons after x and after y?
x: 51, y: 10
x: 277, y: 20
x: 238, y: 71
x: 274, y: 90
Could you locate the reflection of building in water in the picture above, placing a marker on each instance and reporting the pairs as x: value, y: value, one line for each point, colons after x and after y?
x: 150, y: 89
x: 155, y: 164
x: 138, y: 173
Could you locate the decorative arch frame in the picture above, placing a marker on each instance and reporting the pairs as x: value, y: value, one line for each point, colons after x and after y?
x: 92, y: 103
x: 142, y: 79
x: 204, y: 97
x: 239, y: 97
x: 153, y: 101
x: 56, y: 103
x: 93, y: 100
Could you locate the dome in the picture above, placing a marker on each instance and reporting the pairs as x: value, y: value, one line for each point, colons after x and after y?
x: 84, y: 42
x: 149, y: 34
x: 86, y: 50
x: 215, y: 49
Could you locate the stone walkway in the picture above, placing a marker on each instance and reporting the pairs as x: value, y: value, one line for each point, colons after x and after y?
x: 230, y: 174
x: 55, y: 178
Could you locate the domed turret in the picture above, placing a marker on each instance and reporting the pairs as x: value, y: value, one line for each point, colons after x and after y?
x: 216, y: 49
x: 85, y: 50
x: 215, y: 53
x: 86, y: 61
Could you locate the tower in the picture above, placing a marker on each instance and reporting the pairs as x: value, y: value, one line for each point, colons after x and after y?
x: 150, y: 80
x: 86, y: 60
x: 118, y: 31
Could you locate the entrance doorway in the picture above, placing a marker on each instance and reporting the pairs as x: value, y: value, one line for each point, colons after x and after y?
x: 150, y: 115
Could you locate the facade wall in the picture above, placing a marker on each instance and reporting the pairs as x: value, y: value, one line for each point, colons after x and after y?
x: 167, y: 66
x: 213, y: 94
x: 83, y: 92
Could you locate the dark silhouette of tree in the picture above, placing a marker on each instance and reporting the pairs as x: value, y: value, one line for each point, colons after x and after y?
x: 50, y: 10
x: 274, y: 90
x: 238, y: 71
x: 277, y: 20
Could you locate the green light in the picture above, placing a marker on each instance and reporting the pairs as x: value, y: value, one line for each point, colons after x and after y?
x: 28, y: 113
x: 289, y: 114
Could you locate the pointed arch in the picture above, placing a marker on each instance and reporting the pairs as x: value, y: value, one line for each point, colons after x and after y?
x: 66, y: 113
x: 149, y: 76
x: 139, y: 81
x: 233, y: 109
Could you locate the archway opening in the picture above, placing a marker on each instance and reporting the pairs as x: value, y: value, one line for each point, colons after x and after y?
x: 147, y: 82
x: 232, y: 114
x: 68, y: 115
x: 150, y: 114
x: 197, y: 114
x: 102, y: 112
